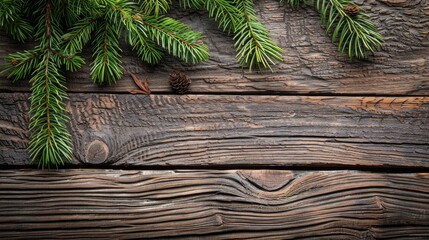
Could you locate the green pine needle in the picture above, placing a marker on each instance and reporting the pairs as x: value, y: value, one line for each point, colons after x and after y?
x: 176, y: 38
x: 295, y: 3
x: 12, y: 20
x: 356, y: 35
x: 154, y: 7
x: 20, y: 65
x: 79, y: 35
x: 50, y: 142
x: 145, y: 47
x: 253, y: 42
x: 224, y: 12
x: 62, y: 29
x: 106, y: 66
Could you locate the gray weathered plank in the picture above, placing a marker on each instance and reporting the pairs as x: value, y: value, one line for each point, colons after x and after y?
x: 229, y: 130
x: 312, y: 64
x: 231, y: 204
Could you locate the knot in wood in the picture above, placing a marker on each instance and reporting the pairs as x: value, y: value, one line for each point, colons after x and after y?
x: 97, y: 152
x: 268, y: 180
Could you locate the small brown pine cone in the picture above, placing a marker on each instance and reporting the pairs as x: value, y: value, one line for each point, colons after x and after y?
x: 15, y: 62
x: 352, y: 10
x: 179, y: 82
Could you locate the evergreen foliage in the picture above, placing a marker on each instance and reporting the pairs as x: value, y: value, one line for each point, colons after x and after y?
x: 355, y: 33
x: 13, y: 21
x: 62, y: 29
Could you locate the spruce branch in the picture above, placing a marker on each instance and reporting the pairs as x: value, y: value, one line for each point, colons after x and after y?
x: 253, y: 42
x: 355, y: 32
x: 79, y: 35
x: 75, y: 9
x: 50, y: 142
x: 254, y: 45
x: 223, y: 11
x: 295, y: 3
x: 12, y: 20
x: 197, y: 4
x: 146, y: 48
x: 106, y: 65
x: 70, y: 61
x: 20, y: 65
x: 150, y: 33
x: 146, y: 34
x: 154, y: 7
x: 176, y: 38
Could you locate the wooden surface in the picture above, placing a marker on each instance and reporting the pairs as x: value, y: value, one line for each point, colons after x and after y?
x: 195, y: 166
x: 201, y: 130
x: 230, y: 204
x: 311, y: 64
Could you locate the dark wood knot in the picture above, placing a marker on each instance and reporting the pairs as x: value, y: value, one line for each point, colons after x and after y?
x: 97, y: 152
x: 268, y: 180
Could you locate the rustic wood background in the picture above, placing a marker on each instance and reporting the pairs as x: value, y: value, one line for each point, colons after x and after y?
x: 323, y: 148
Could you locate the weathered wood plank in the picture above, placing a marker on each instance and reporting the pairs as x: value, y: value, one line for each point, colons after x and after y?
x: 312, y: 64
x: 238, y: 204
x: 228, y: 130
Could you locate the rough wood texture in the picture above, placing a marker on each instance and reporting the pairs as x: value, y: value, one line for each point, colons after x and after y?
x: 256, y: 204
x: 312, y: 64
x: 228, y: 130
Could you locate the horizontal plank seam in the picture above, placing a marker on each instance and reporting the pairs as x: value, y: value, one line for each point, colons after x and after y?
x: 331, y: 167
x: 262, y: 94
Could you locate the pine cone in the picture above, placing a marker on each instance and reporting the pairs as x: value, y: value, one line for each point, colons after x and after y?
x: 352, y: 10
x: 179, y: 82
x: 15, y: 62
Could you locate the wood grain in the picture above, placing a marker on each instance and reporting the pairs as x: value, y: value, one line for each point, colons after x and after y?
x: 311, y: 62
x: 229, y: 130
x: 230, y: 204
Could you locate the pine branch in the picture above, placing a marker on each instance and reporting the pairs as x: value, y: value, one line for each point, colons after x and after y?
x: 120, y: 12
x: 20, y: 65
x: 197, y: 4
x: 70, y: 61
x: 106, y: 65
x: 176, y: 38
x: 75, y: 9
x: 154, y: 7
x: 223, y: 11
x: 12, y: 20
x: 146, y: 48
x: 295, y: 3
x: 355, y: 33
x: 253, y: 42
x: 79, y: 35
x: 48, y: 30
x: 50, y: 141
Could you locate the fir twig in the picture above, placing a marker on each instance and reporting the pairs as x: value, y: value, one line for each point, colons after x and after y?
x: 154, y: 7
x: 145, y: 47
x: 20, y: 65
x: 176, y: 38
x: 50, y: 142
x: 253, y: 42
x: 356, y: 34
x: 12, y: 20
x: 106, y: 65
